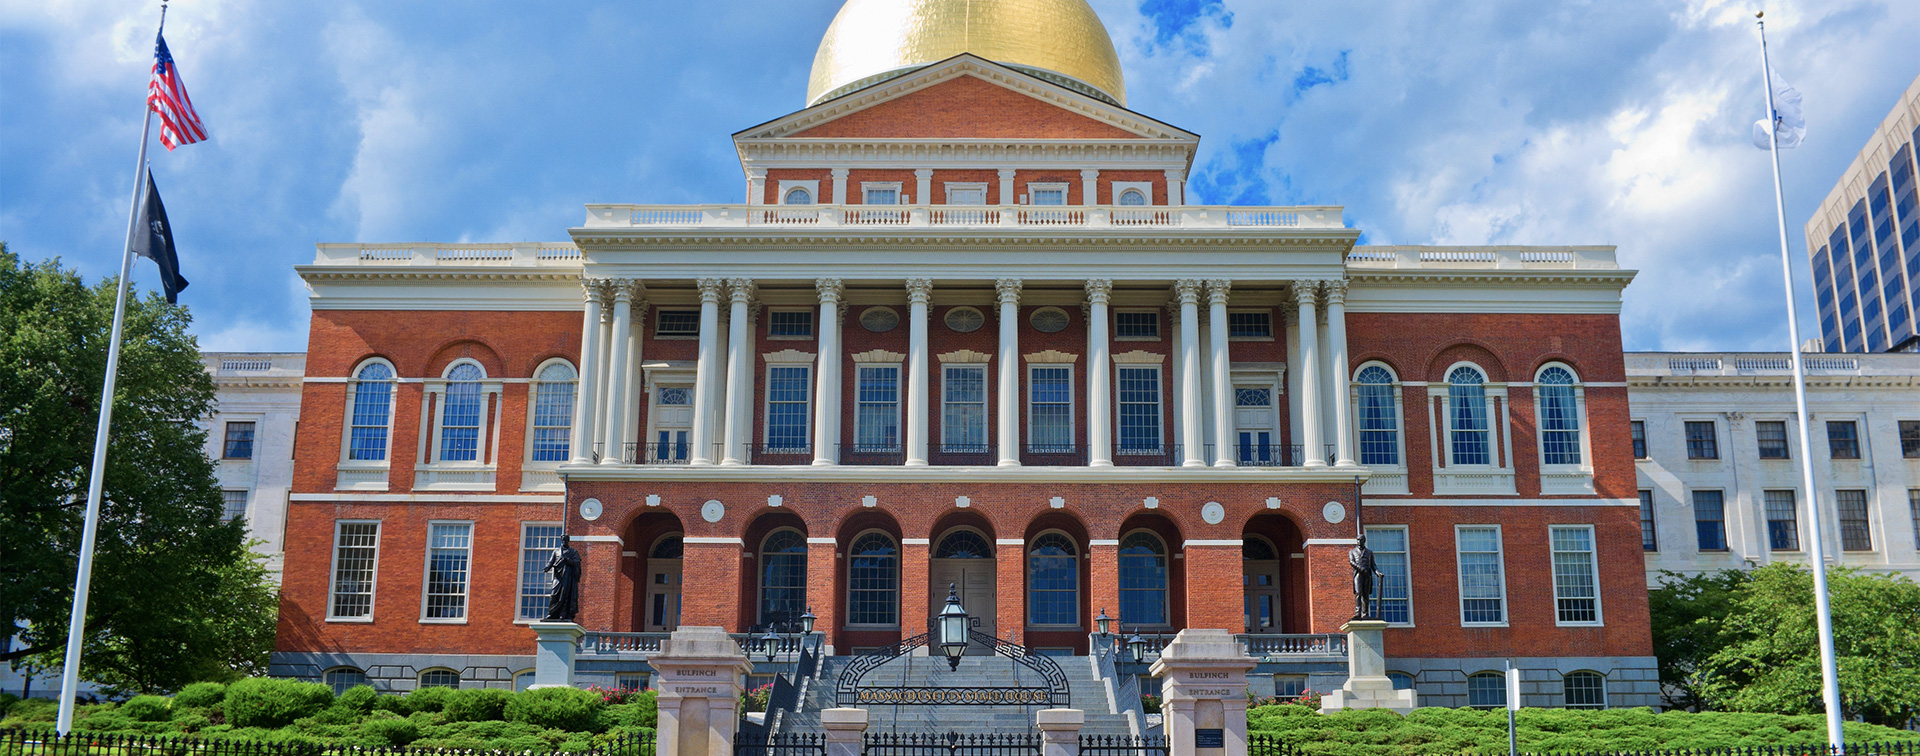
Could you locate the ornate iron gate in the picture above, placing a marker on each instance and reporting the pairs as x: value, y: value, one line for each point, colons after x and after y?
x: 1052, y: 691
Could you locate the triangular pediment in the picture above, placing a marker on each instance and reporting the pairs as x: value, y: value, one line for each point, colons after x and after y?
x: 965, y: 97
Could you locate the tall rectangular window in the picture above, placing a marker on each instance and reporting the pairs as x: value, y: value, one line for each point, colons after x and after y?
x: 449, y: 547
x: 460, y: 416
x: 372, y: 406
x: 790, y: 324
x: 1649, y: 535
x: 1576, y: 575
x: 1783, y: 521
x: 1139, y: 409
x: 1855, y: 532
x: 963, y: 408
x: 1483, y: 585
x: 1390, y: 559
x: 787, y: 395
x: 1136, y: 324
x: 1639, y: 439
x: 1049, y: 409
x: 676, y: 324
x: 1702, y: 443
x: 1257, y: 324
x: 1379, y: 417
x: 1843, y: 439
x: 877, y: 408
x: 1467, y: 406
x: 1913, y: 510
x: 538, y: 540
x: 1910, y: 439
x: 239, y: 441
x: 553, y: 413
x: 1772, y: 437
x: 1709, y: 520
x: 233, y: 504
x: 356, y: 548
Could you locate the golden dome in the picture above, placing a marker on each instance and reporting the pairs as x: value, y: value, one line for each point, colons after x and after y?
x: 1059, y: 40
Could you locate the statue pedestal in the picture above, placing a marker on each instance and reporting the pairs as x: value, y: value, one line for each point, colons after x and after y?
x: 1203, y: 675
x: 555, y: 644
x: 1368, y: 686
x: 700, y: 670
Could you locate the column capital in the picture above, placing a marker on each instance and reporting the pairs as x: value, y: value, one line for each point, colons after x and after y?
x: 740, y: 289
x: 1006, y: 173
x: 919, y: 290
x: 839, y: 173
x: 1099, y: 290
x: 1217, y: 289
x: 1306, y: 291
x: 756, y: 173
x: 1008, y: 290
x: 923, y: 173
x: 830, y: 289
x: 628, y: 289
x: 709, y: 289
x: 1089, y: 174
x: 1336, y: 292
x: 1186, y: 291
x: 593, y: 289
x: 1175, y: 174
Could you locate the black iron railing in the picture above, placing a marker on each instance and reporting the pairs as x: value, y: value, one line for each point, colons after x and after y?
x: 1123, y: 745
x: 952, y: 744
x: 779, y: 744
x: 15, y: 742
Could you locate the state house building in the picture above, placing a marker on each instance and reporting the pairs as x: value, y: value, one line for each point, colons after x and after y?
x: 965, y: 328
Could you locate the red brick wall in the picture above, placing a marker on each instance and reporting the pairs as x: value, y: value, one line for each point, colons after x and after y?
x: 965, y: 108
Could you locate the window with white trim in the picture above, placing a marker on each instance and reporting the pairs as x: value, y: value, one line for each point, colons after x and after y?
x: 239, y: 441
x: 1047, y: 194
x: 462, y: 413
x: 233, y: 504
x: 966, y: 194
x: 1394, y: 591
x: 880, y: 194
x: 1136, y: 325
x: 1378, y: 415
x: 1558, y: 405
x: 1139, y: 399
x: 963, y: 408
x: 1856, y: 532
x: 873, y: 580
x: 538, y: 541
x: 1576, y: 575
x: 553, y: 390
x: 1143, y: 579
x: 783, y: 577
x: 1584, y: 690
x: 1649, y: 533
x: 1469, y: 435
x: 1132, y: 197
x: 439, y: 678
x: 1783, y: 520
x: 1710, y: 520
x: 876, y: 421
x: 676, y: 324
x: 1250, y: 325
x: 343, y: 679
x: 797, y: 196
x: 790, y: 324
x: 1053, y: 580
x: 788, y: 395
x: 449, y: 560
x: 356, y: 552
x: 1487, y: 690
x: 372, y: 412
x: 1483, y: 581
x: 1049, y: 409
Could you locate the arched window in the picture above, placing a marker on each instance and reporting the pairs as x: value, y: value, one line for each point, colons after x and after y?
x: 1053, y: 581
x: 1133, y: 197
x: 1257, y: 550
x: 1379, y: 417
x: 372, y: 413
x: 1401, y: 680
x: 1559, y: 411
x: 670, y: 547
x: 343, y: 678
x: 461, y: 415
x: 873, y: 580
x: 797, y: 196
x: 1143, y: 579
x: 553, y: 412
x: 439, y: 678
x: 1584, y: 690
x: 963, y: 544
x: 1468, y: 431
x: 783, y: 577
x: 1487, y: 690
x: 522, y: 680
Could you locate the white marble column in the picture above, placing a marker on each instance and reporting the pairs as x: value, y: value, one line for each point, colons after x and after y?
x: 1008, y: 416
x: 1187, y: 292
x: 1311, y: 447
x: 1223, y: 452
x: 1337, y: 359
x: 1291, y: 316
x: 635, y: 378
x: 603, y: 381
x: 923, y: 186
x: 1099, y: 375
x: 1176, y: 184
x: 1089, y: 186
x: 614, y: 422
x: 1006, y: 187
x: 839, y: 186
x: 919, y: 296
x: 735, y: 429
x: 826, y: 392
x: 1177, y: 384
x: 588, y: 387
x: 756, y: 186
x: 706, y: 376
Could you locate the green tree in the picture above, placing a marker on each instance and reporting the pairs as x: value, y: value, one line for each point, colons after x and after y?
x: 1771, y: 659
x: 175, y: 595
x: 1687, y: 629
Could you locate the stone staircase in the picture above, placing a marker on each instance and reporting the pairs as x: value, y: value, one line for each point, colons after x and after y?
x: 1086, y: 692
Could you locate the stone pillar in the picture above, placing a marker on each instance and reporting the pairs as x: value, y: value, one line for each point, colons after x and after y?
x: 756, y: 186
x: 1006, y: 187
x: 1007, y: 419
x: 1223, y: 450
x: 846, y: 731
x: 1099, y: 376
x: 1294, y: 407
x: 698, y: 673
x: 919, y: 296
x: 583, y: 408
x: 1342, y: 372
x: 1176, y: 184
x: 736, y: 428
x: 839, y: 186
x: 1059, y: 731
x: 554, y: 646
x: 631, y: 386
x: 1187, y: 293
x: 826, y: 392
x: 614, y: 424
x: 1367, y: 686
x: 1089, y: 186
x: 923, y: 185
x: 706, y: 376
x: 604, y: 381
x: 1203, y: 691
x: 1308, y: 292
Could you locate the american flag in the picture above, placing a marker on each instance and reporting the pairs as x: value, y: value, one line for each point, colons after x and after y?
x: 167, y: 96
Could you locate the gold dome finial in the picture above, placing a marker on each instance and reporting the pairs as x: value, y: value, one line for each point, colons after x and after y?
x: 1059, y: 40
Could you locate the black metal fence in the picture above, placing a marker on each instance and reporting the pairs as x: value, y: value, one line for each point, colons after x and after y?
x: 1122, y: 745
x: 1267, y: 745
x: 16, y: 742
x: 780, y: 744
x: 952, y: 744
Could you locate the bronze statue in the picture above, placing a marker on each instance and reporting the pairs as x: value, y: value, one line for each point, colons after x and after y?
x: 1364, y: 572
x: 563, y: 602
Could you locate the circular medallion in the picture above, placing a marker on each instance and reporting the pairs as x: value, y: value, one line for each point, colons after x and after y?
x: 1213, y: 513
x: 879, y: 319
x: 713, y: 510
x: 965, y: 320
x: 1049, y: 320
x: 1334, y: 511
x: 590, y: 509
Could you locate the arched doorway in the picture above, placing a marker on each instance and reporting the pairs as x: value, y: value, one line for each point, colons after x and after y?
x: 661, y: 609
x: 783, y: 579
x: 963, y: 558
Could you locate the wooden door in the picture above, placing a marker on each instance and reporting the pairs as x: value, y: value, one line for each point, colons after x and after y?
x: 974, y: 580
x: 663, y: 595
x: 1260, y: 579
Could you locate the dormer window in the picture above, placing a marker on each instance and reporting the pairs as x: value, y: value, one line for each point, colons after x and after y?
x: 797, y: 197
x: 1133, y: 197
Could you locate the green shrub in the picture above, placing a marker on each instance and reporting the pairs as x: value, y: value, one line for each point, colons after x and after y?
x: 428, y: 699
x: 337, y: 715
x: 638, y: 711
x: 568, y: 709
x: 477, y: 705
x: 359, y: 698
x: 395, y: 704
x: 104, y: 718
x: 33, y: 710
x: 273, y: 702
x: 391, y: 732
x: 200, y: 694
x: 7, y: 700
x: 148, y: 708
x: 190, y: 723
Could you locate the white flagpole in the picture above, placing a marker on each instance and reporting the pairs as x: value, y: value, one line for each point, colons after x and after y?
x: 1829, y: 674
x: 77, y: 621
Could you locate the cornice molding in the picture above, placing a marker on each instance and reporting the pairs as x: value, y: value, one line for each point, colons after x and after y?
x: 1051, y: 357
x: 879, y: 356
x: 601, y: 238
x: 965, y: 356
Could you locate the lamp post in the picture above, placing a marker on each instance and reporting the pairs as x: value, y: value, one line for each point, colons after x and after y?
x: 806, y: 622
x: 770, y: 643
x: 953, y: 628
x: 1102, y: 622
x: 1137, y: 646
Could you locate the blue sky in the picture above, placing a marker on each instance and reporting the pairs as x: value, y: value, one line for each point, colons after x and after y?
x: 1505, y: 122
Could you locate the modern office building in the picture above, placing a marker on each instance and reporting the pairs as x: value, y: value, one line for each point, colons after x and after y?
x: 1865, y: 242
x: 965, y: 328
x: 1719, y: 460
x: 250, y: 438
